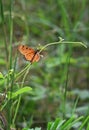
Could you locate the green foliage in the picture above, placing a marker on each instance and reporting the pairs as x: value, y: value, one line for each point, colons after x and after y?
x: 60, y: 124
x: 1, y: 76
x: 11, y: 95
x: 67, y: 125
x: 59, y: 81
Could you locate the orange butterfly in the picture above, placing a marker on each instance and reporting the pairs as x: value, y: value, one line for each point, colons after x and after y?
x: 29, y: 53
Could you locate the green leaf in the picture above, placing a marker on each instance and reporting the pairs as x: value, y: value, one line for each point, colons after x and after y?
x: 1, y: 76
x: 2, y: 62
x: 83, y: 123
x: 55, y: 125
x: 67, y: 123
x: 11, y: 95
x: 49, y: 125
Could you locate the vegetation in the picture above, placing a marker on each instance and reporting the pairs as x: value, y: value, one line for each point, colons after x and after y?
x: 51, y: 94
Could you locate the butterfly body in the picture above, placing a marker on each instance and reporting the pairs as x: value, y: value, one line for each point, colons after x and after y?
x: 29, y: 53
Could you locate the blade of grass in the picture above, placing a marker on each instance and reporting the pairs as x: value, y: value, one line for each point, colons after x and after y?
x: 70, y: 123
x: 55, y: 124
x: 65, y: 17
x: 83, y: 123
x: 10, y: 80
x: 67, y: 123
x: 11, y: 33
x: 87, y: 126
x: 75, y: 105
x: 66, y: 82
x: 4, y: 30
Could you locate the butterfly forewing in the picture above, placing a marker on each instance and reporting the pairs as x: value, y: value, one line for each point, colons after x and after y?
x: 25, y: 49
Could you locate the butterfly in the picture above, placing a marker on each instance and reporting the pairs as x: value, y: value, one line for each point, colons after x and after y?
x: 29, y: 53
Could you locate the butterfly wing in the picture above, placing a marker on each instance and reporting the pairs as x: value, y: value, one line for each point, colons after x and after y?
x: 33, y: 57
x: 25, y: 49
x: 29, y: 53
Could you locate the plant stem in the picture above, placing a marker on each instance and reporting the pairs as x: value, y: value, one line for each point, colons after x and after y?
x: 4, y: 30
x: 19, y: 100
x: 22, y: 71
x: 62, y: 42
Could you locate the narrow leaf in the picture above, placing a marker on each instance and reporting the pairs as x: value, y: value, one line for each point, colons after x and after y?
x: 11, y: 95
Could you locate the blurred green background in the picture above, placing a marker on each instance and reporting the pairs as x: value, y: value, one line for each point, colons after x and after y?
x: 60, y: 80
